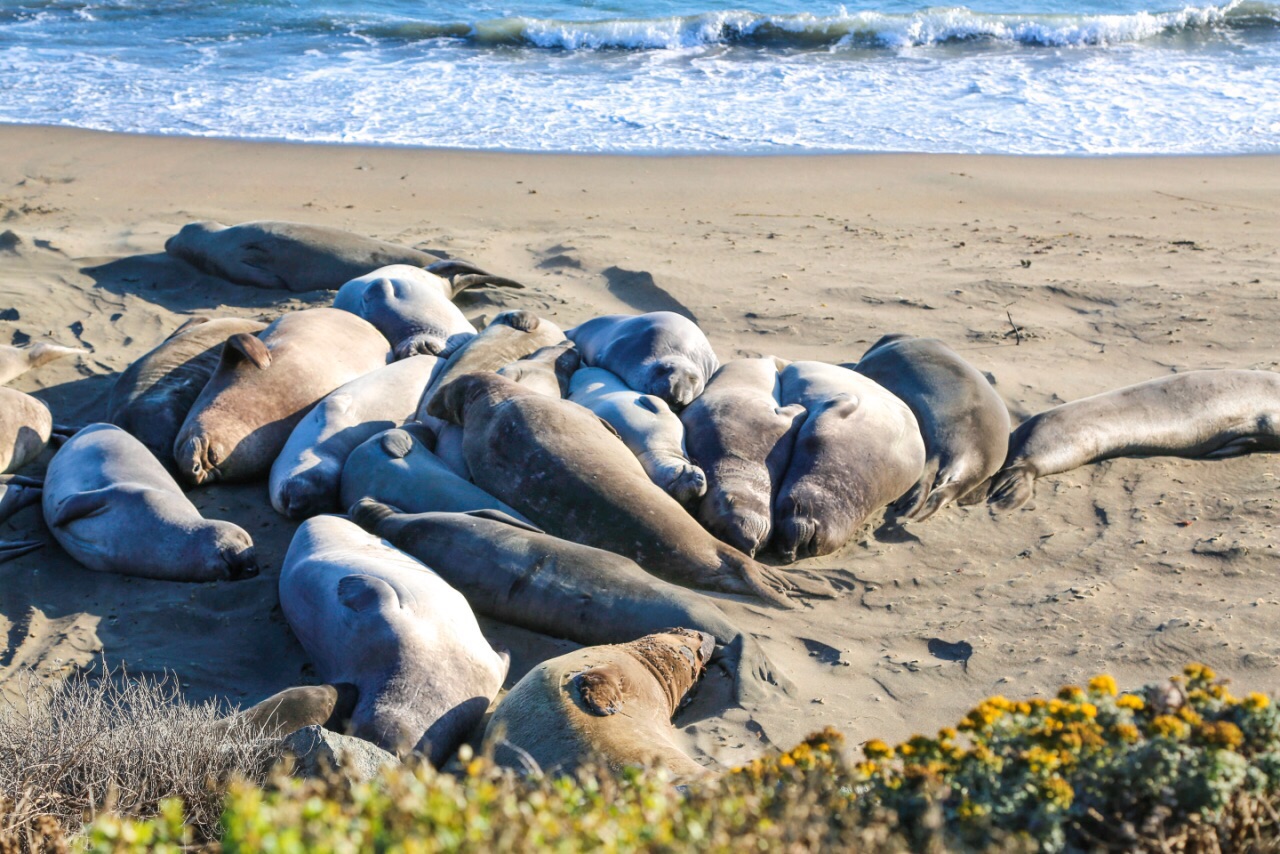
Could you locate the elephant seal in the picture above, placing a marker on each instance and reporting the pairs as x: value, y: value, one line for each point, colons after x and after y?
x: 511, y: 571
x: 660, y: 353
x: 546, y: 371
x: 512, y: 335
x: 292, y: 709
x: 411, y: 307
x: 152, y: 397
x: 742, y: 437
x: 17, y: 492
x: 963, y: 421
x: 264, y: 385
x: 647, y: 426
x: 611, y: 704
x: 1198, y: 414
x: 25, y: 427
x: 307, y: 476
x: 114, y: 508
x: 398, y: 467
x: 569, y: 473
x: 16, y: 361
x: 373, y: 617
x: 858, y: 449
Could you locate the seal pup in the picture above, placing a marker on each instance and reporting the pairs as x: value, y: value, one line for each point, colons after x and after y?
x: 858, y: 449
x: 152, y: 397
x: 514, y: 572
x: 647, y: 426
x: 1198, y: 414
x: 411, y: 307
x: 546, y: 371
x: 16, y: 361
x: 375, y: 618
x: 307, y: 476
x: 569, y: 473
x: 25, y: 427
x: 399, y: 467
x: 612, y: 704
x: 265, y: 384
x: 660, y: 353
x: 292, y: 709
x: 742, y: 437
x: 963, y: 421
x: 114, y: 508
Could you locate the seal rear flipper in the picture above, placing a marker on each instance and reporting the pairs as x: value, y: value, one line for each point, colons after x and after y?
x: 938, y: 498
x: 976, y: 495
x: 462, y: 275
x: 368, y: 513
x: 1011, y: 488
x: 191, y: 323
x: 421, y: 344
x: 81, y: 506
x: 1243, y: 445
x: 524, y: 321
x: 745, y: 577
x: 17, y: 548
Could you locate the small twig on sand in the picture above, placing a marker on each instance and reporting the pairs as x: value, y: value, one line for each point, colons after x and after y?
x: 1016, y: 331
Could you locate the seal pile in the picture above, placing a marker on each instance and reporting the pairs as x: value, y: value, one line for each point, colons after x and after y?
x: 582, y: 482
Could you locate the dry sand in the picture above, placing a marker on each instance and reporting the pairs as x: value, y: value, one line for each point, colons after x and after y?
x: 1114, y: 271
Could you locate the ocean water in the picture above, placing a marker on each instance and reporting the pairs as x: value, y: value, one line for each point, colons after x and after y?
x: 657, y: 76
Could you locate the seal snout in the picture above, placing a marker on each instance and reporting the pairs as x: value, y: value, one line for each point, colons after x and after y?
x: 798, y: 536
x: 242, y: 564
x: 197, y: 460
x: 689, y: 484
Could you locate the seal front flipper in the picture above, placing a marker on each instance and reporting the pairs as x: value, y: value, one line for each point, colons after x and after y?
x: 366, y: 593
x: 81, y: 506
x: 505, y: 518
x: 602, y: 690
x: 1011, y: 488
x: 242, y: 346
x: 17, y: 548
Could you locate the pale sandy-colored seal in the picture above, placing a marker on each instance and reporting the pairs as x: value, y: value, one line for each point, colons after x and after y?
x: 375, y: 618
x: 741, y: 437
x: 152, y: 397
x: 16, y: 361
x: 647, y: 426
x: 114, y: 508
x: 413, y: 308
x: 1199, y: 414
x: 511, y: 571
x: 660, y: 353
x: 964, y: 422
x: 858, y: 449
x: 569, y: 473
x: 400, y: 468
x: 307, y: 476
x: 25, y: 427
x: 611, y: 704
x: 264, y: 385
x: 546, y: 371
x: 290, y: 710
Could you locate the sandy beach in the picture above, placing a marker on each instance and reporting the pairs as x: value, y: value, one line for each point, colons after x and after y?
x: 1058, y: 277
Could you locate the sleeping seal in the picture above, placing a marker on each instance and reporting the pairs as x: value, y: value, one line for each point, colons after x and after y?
x: 611, y: 704
x: 858, y: 449
x: 513, y: 572
x: 152, y: 397
x: 25, y: 427
x: 265, y: 384
x: 16, y: 361
x: 375, y: 618
x: 564, y: 469
x: 411, y: 307
x: 964, y: 422
x: 114, y: 508
x: 647, y: 426
x: 546, y: 371
x: 17, y: 492
x: 1206, y: 414
x: 742, y: 438
x: 306, y: 477
x: 660, y: 353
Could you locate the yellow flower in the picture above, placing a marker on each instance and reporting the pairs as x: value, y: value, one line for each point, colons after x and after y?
x: 1089, y: 710
x: 1190, y: 715
x: 969, y: 810
x: 866, y: 769
x: 946, y: 734
x: 1071, y: 693
x: 1131, y: 701
x: 1257, y: 702
x: 1059, y: 791
x: 1221, y: 734
x: 1126, y: 732
x: 877, y: 749
x: 1170, y: 726
x: 1103, y: 684
x: 1197, y: 672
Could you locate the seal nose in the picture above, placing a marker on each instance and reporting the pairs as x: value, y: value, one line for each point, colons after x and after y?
x: 707, y: 647
x: 683, y: 387
x: 242, y: 565
x: 797, y: 537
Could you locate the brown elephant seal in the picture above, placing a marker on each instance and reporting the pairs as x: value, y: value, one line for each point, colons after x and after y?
x: 858, y: 449
x: 547, y: 371
x: 511, y: 571
x: 290, y: 710
x: 964, y: 422
x: 569, y: 473
x: 741, y: 437
x: 16, y: 361
x: 265, y: 384
x: 660, y: 353
x: 610, y: 704
x: 413, y: 308
x: 114, y: 508
x: 152, y: 397
x: 1198, y: 414
x: 373, y: 617
x: 25, y: 427
x: 511, y: 336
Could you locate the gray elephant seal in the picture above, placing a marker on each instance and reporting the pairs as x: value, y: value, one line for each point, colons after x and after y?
x: 398, y: 467
x: 660, y: 353
x: 511, y: 571
x: 547, y: 371
x: 307, y: 476
x: 564, y: 469
x: 25, y: 427
x: 16, y: 361
x: 1198, y: 414
x: 375, y: 618
x: 742, y: 437
x: 114, y: 508
x: 858, y: 449
x: 611, y: 704
x: 413, y: 308
x: 964, y: 422
x: 152, y: 397
x: 264, y: 385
